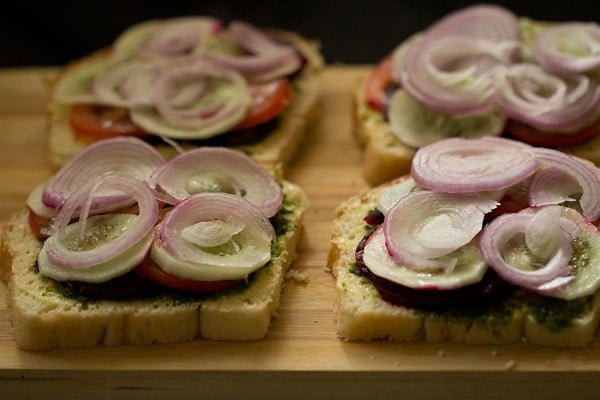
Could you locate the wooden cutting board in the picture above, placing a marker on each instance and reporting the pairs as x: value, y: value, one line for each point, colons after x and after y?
x: 301, y: 356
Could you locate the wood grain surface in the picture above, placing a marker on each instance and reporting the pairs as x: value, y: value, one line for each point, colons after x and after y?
x: 301, y: 357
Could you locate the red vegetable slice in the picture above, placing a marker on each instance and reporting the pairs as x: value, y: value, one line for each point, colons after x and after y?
x: 100, y: 122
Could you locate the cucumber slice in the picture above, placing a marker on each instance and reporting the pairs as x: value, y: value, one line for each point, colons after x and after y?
x: 75, y: 85
x: 100, y: 229
x: 585, y: 260
x: 416, y: 126
x: 470, y: 268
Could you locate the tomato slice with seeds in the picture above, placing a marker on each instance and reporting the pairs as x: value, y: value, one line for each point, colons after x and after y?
x: 268, y: 100
x: 150, y: 270
x: 532, y: 136
x: 377, y: 84
x: 99, y: 122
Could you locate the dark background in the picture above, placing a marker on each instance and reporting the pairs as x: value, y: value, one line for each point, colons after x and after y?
x: 53, y: 32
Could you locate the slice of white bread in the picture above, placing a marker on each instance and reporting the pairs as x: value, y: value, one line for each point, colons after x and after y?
x: 362, y: 315
x: 44, y: 316
x: 277, y: 148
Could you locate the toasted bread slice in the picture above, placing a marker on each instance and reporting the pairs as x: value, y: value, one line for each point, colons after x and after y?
x: 362, y: 315
x: 275, y: 149
x: 45, y: 315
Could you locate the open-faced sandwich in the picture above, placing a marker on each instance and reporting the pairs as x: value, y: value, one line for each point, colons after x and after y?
x: 482, y: 71
x: 121, y: 246
x: 487, y: 241
x: 189, y: 82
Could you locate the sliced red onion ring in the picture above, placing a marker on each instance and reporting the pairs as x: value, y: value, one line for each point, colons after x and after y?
x: 185, y: 251
x: 219, y: 169
x: 528, y: 93
x: 61, y: 254
x: 264, y: 58
x: 500, y: 247
x: 451, y: 75
x: 447, y: 68
x: 128, y: 155
x: 173, y: 38
x: 568, y: 48
x: 426, y: 225
x: 459, y: 165
x: 195, y: 100
x: 573, y: 175
x: 486, y: 21
x: 102, y: 272
x: 125, y: 83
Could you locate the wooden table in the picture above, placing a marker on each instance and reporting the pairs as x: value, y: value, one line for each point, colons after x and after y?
x: 301, y: 357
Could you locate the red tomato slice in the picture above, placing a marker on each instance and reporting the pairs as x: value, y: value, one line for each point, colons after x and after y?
x: 99, y: 122
x: 528, y: 134
x: 377, y: 83
x: 40, y: 226
x: 151, y: 271
x: 269, y: 99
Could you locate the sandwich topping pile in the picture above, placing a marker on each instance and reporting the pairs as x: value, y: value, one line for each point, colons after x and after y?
x: 481, y: 223
x: 484, y: 71
x: 185, y: 78
x: 201, y: 222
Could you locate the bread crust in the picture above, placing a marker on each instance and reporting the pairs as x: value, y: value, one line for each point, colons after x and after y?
x: 45, y: 318
x: 361, y: 314
x: 276, y: 150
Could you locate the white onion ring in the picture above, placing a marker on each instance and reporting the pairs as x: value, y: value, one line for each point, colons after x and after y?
x: 426, y: 225
x: 527, y: 93
x: 571, y: 170
x: 81, y: 198
x: 569, y: 48
x: 459, y: 165
x: 265, y: 59
x: 183, y: 258
x: 128, y: 155
x: 501, y: 230
x: 219, y: 169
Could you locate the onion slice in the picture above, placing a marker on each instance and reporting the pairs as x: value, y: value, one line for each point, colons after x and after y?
x: 126, y: 155
x: 527, y: 93
x: 458, y: 165
x: 195, y: 100
x: 219, y: 169
x: 515, y: 262
x: 425, y: 225
x: 564, y: 175
x: 486, y: 21
x: 173, y: 38
x: 68, y: 255
x: 447, y: 69
x: 125, y: 83
x: 263, y: 58
x: 568, y: 48
x: 244, y: 235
